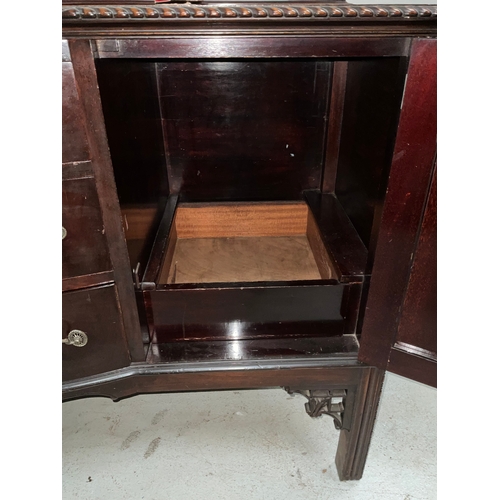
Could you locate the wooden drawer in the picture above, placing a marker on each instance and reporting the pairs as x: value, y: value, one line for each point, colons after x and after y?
x: 94, y: 312
x: 84, y: 247
x: 253, y: 270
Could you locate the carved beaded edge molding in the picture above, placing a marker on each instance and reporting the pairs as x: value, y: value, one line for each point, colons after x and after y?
x: 244, y: 11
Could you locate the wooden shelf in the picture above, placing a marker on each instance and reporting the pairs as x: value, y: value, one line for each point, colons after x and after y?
x: 315, y: 348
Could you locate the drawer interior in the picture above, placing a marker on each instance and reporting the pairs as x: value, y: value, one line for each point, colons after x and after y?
x: 244, y: 242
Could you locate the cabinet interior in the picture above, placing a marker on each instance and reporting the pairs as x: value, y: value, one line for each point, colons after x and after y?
x: 251, y: 173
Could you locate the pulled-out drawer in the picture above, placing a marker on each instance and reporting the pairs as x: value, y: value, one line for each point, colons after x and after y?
x: 244, y: 270
x: 93, y: 336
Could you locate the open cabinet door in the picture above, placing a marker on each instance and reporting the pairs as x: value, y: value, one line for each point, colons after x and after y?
x: 399, y: 329
x: 100, y: 324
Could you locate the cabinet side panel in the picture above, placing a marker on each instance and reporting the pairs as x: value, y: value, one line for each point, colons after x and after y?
x: 129, y: 95
x: 133, y: 125
x: 371, y: 110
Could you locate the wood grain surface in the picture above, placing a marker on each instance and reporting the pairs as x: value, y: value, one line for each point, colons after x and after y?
x: 233, y: 220
x: 213, y: 260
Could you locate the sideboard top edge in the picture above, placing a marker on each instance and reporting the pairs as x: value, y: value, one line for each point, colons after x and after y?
x: 255, y: 12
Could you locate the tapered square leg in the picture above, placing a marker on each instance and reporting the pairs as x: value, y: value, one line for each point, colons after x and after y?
x: 354, y: 443
x: 353, y: 404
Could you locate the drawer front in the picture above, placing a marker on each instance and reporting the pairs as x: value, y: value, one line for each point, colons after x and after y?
x: 92, y: 315
x: 250, y: 313
x: 85, y: 250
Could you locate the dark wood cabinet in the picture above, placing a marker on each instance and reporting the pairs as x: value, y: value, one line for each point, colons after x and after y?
x: 249, y: 201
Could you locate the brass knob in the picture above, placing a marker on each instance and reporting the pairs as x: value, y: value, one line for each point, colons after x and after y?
x: 64, y: 232
x: 76, y: 338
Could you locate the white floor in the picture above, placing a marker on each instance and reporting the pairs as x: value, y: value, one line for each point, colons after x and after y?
x: 243, y: 445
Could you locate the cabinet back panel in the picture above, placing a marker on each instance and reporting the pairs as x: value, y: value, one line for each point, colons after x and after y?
x: 244, y: 130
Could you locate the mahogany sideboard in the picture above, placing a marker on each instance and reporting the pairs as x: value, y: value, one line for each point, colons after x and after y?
x: 249, y: 201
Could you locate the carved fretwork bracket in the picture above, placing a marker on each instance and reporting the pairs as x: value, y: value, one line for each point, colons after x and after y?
x: 321, y: 402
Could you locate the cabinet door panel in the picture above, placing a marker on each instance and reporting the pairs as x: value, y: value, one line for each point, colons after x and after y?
x: 417, y: 332
x: 418, y: 319
x: 94, y: 312
x: 99, y: 229
x: 390, y: 325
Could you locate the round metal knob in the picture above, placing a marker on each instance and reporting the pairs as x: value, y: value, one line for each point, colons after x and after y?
x: 76, y: 338
x: 64, y: 232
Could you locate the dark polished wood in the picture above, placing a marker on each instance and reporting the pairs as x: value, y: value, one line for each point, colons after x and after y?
x: 371, y: 109
x: 414, y: 354
x: 350, y: 308
x: 244, y: 311
x: 87, y: 280
x: 336, y: 114
x: 130, y: 102
x: 220, y: 148
x: 142, y: 378
x: 155, y: 263
x: 129, y: 95
x: 184, y: 312
x: 74, y: 137
x: 345, y: 347
x: 84, y: 248
x: 95, y: 312
x: 86, y: 78
x: 184, y: 19
x: 374, y: 88
x: 261, y: 47
x: 418, y: 323
x: 256, y: 103
x: 354, y: 443
x: 339, y: 235
x: 411, y: 173
x: 420, y: 366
